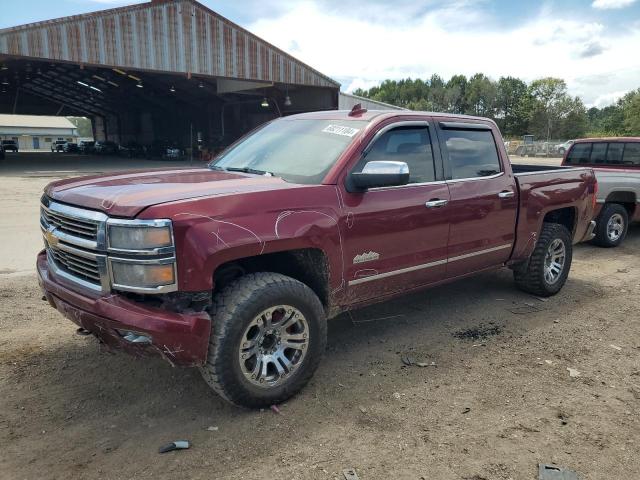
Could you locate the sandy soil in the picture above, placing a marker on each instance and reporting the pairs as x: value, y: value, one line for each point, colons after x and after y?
x: 499, y: 400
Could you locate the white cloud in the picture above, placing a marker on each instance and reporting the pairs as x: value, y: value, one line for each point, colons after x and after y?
x: 611, y: 4
x: 451, y: 40
x: 608, y: 99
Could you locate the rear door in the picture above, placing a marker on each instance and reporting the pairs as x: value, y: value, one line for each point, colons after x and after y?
x: 396, y: 237
x: 484, y: 200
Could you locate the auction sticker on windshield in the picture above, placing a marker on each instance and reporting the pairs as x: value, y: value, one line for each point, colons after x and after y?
x: 340, y: 130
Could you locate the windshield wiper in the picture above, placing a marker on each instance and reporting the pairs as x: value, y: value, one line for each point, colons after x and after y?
x: 248, y: 170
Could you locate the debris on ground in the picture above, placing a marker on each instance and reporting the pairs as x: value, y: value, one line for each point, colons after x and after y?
x: 177, y: 445
x: 275, y: 409
x: 564, y: 418
x: 573, y: 373
x: 411, y: 362
x: 552, y: 472
x: 362, y: 409
x: 466, y: 410
x: 83, y: 332
x: 407, y: 360
x: 397, y: 395
x: 212, y: 429
x: 615, y: 347
x: 525, y: 309
x: 623, y: 270
x: 548, y: 362
x: 480, y: 332
x: 350, y: 474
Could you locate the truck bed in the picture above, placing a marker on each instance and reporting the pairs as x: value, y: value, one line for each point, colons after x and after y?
x: 542, y: 188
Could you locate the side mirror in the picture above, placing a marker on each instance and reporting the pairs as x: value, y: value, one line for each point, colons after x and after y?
x: 380, y: 174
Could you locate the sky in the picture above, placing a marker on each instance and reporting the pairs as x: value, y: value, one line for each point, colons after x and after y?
x: 593, y: 44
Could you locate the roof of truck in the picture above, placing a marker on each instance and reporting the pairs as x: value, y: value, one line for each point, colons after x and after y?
x: 608, y: 139
x: 368, y: 115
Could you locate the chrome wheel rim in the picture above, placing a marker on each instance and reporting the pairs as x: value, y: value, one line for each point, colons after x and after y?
x: 615, y: 227
x: 554, y: 261
x: 273, y: 346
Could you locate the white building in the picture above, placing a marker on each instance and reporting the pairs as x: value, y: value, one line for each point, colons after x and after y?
x: 35, y: 132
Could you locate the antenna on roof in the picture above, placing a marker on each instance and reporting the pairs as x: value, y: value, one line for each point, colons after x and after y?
x: 357, y: 110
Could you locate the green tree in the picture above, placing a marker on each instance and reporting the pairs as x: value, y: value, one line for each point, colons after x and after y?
x: 551, y: 103
x: 83, y: 124
x: 456, y: 93
x: 512, y: 106
x: 631, y: 112
x: 481, y: 95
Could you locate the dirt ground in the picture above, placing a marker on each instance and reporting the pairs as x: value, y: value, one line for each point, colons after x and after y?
x: 497, y: 401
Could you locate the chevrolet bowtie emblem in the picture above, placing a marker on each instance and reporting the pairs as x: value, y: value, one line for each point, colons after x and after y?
x: 52, y: 240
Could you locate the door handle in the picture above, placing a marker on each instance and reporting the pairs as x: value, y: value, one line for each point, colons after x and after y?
x: 436, y: 203
x: 507, y: 194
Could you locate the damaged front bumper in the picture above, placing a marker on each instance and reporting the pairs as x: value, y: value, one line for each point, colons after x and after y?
x: 123, y: 324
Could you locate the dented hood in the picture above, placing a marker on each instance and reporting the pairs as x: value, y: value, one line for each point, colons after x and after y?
x: 126, y: 194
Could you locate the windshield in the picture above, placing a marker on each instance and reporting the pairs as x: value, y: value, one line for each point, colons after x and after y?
x: 299, y: 151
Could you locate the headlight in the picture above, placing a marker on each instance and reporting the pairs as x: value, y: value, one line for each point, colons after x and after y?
x: 142, y: 275
x: 140, y: 236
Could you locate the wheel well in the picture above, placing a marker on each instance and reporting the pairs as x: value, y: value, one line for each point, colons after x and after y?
x: 563, y: 216
x: 626, y: 199
x: 309, y: 266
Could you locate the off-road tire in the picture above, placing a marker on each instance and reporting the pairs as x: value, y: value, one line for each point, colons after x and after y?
x: 233, y: 310
x: 532, y: 278
x: 602, y: 238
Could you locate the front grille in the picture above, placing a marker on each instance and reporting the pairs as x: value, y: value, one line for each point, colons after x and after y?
x: 86, y: 229
x: 85, y: 268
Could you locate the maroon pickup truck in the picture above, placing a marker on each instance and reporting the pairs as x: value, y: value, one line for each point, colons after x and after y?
x: 235, y: 268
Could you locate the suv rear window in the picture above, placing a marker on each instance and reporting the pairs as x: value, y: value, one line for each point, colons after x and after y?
x: 605, y: 153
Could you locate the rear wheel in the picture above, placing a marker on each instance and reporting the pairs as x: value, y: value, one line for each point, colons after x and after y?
x: 549, y: 265
x: 611, y: 225
x: 268, y: 335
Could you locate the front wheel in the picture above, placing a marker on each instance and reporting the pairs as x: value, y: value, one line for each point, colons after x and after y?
x: 611, y: 225
x: 549, y: 265
x: 268, y: 335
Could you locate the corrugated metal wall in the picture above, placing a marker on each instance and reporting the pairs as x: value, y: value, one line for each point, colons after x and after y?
x: 181, y: 36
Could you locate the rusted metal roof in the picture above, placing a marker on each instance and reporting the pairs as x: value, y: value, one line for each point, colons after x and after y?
x: 180, y: 36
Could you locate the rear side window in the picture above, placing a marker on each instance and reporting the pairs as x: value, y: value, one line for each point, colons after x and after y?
x: 631, y: 154
x: 580, y: 153
x: 472, y: 153
x: 599, y: 153
x: 411, y: 145
x: 614, y: 155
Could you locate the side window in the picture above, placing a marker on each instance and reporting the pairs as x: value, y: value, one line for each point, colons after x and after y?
x: 472, y: 153
x: 599, y: 153
x: 411, y: 145
x: 580, y: 153
x: 631, y: 154
x: 614, y: 154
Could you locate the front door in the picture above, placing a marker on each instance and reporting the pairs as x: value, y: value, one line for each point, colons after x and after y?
x: 36, y: 143
x: 484, y: 201
x: 396, y: 237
